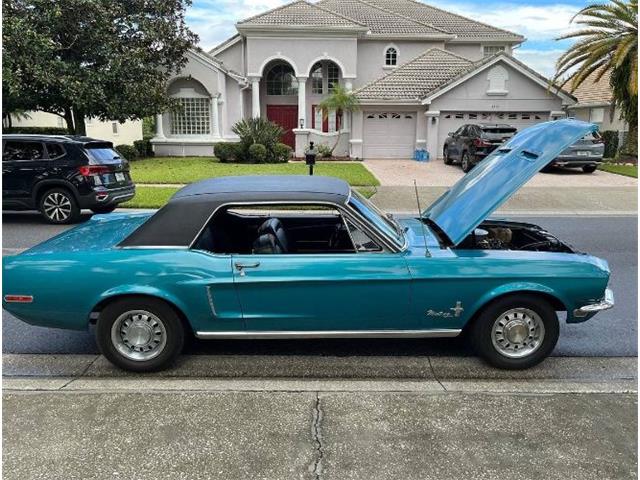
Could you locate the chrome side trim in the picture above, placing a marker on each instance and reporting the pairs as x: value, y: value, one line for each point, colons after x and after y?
x: 332, y: 334
x: 605, y: 304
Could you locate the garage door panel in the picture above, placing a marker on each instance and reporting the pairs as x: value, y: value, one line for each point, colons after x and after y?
x: 389, y: 134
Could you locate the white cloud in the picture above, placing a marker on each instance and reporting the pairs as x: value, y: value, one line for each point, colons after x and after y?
x: 542, y: 61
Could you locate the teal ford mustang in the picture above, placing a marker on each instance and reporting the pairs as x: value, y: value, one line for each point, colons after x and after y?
x: 307, y: 257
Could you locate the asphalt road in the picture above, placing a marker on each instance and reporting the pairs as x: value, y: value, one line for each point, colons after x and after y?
x: 610, y: 333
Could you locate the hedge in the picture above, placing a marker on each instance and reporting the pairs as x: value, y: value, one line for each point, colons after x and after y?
x: 37, y: 130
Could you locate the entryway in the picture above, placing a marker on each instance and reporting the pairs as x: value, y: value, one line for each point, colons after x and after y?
x: 287, y: 117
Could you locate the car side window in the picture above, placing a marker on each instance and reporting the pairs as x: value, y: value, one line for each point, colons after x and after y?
x: 14, y: 150
x: 361, y: 240
x: 55, y: 150
x: 459, y: 131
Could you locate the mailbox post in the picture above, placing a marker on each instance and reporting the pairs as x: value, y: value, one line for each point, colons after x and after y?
x: 310, y: 157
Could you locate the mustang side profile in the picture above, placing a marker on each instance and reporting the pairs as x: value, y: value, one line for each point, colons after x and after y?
x: 307, y: 257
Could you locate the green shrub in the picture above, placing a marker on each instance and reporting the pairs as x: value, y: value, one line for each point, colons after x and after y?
x: 129, y: 152
x: 257, y: 153
x: 37, y: 130
x: 611, y: 139
x: 324, y: 151
x: 258, y: 130
x: 143, y: 147
x: 281, y: 153
x: 228, y: 152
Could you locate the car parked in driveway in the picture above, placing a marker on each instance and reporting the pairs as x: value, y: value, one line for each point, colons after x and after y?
x: 59, y: 175
x: 586, y: 153
x: 470, y: 144
x: 308, y: 257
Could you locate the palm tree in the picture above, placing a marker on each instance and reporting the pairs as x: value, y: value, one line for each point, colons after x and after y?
x: 608, y: 42
x: 342, y: 101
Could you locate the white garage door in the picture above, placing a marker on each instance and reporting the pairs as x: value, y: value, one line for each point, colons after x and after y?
x: 389, y: 134
x: 451, y: 121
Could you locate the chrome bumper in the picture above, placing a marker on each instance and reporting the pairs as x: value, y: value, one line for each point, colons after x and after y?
x: 605, y: 304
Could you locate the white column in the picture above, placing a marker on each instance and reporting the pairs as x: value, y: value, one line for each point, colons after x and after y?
x: 433, y: 124
x: 215, y: 122
x: 255, y: 97
x: 302, y: 102
x: 159, y: 131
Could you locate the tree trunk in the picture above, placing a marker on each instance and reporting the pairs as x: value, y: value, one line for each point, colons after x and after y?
x: 78, y: 116
x: 68, y: 118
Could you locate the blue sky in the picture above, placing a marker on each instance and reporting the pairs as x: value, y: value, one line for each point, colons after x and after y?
x: 540, y: 21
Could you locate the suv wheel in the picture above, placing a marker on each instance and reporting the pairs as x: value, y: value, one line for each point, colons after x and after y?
x: 466, y: 162
x: 58, y: 206
x: 447, y: 158
x: 516, y: 332
x: 107, y: 209
x: 589, y: 168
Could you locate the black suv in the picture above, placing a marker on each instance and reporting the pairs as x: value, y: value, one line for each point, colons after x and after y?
x: 59, y: 175
x: 471, y: 143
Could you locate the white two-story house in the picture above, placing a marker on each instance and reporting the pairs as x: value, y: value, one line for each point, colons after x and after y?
x: 418, y: 71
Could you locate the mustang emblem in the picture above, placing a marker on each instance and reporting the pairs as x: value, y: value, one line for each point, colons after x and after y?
x: 457, y: 311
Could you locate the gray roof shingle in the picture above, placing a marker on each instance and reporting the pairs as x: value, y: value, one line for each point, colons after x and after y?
x: 301, y: 14
x: 416, y: 78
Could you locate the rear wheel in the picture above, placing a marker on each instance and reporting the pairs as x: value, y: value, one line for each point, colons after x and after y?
x: 107, y: 209
x: 58, y: 206
x: 465, y: 162
x: 140, y: 334
x: 589, y: 168
x: 447, y: 158
x: 516, y: 332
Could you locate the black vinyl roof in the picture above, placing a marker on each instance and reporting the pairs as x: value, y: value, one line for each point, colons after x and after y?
x: 178, y: 223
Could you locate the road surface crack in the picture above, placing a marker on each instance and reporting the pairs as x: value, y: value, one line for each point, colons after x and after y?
x: 433, y: 372
x: 316, y: 424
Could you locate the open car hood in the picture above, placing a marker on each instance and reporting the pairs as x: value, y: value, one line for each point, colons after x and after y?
x: 494, y: 180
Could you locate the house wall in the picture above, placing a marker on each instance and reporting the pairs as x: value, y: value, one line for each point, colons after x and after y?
x: 232, y: 57
x: 371, y: 57
x: 126, y: 133
x: 584, y: 113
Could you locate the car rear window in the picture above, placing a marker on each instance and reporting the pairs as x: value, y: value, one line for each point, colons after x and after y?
x: 103, y: 156
x: 499, y: 129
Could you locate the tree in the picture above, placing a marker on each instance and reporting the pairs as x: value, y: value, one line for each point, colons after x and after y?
x: 341, y: 101
x: 608, y: 42
x: 107, y: 59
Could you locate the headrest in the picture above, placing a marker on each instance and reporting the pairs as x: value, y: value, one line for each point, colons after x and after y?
x: 266, y: 243
x: 270, y: 226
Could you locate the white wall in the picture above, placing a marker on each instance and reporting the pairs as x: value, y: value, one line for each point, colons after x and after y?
x: 584, y: 113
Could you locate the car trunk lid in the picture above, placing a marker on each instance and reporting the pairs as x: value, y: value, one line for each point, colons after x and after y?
x: 494, y: 180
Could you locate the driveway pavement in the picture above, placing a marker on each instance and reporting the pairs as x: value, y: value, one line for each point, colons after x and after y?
x: 401, y: 173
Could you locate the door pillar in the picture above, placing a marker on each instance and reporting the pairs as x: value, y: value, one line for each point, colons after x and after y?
x: 215, y: 121
x: 433, y: 124
x: 302, y: 102
x: 159, y: 129
x: 255, y: 97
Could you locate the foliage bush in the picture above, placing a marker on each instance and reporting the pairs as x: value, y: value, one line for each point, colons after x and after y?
x: 324, y: 151
x: 143, y: 147
x: 281, y: 153
x: 228, y: 152
x: 258, y: 131
x: 127, y: 151
x: 611, y: 139
x: 257, y: 153
x: 37, y: 130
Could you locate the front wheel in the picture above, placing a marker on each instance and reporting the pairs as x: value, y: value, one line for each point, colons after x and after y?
x: 516, y: 332
x: 139, y: 334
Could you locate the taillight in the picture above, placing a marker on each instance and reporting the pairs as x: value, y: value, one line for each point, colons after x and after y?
x: 479, y: 142
x: 89, y: 170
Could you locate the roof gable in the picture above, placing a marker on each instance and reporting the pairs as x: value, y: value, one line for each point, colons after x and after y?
x: 414, y: 80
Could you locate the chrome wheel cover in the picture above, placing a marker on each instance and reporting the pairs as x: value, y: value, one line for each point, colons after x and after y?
x: 517, y: 333
x: 139, y: 335
x: 57, y: 206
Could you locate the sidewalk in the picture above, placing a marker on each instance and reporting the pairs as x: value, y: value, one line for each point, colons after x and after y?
x: 569, y: 418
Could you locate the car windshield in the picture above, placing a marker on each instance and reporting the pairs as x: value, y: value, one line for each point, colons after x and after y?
x: 103, y: 156
x: 385, y: 223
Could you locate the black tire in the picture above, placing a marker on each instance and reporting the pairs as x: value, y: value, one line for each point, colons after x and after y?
x: 446, y: 157
x: 482, y: 334
x: 589, y: 168
x: 465, y: 162
x: 59, y: 206
x: 128, y: 309
x: 107, y: 209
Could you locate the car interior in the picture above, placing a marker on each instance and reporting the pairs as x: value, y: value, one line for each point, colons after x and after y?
x: 281, y: 230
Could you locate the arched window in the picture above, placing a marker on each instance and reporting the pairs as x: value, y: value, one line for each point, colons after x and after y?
x: 316, y: 79
x: 391, y: 57
x: 281, y: 80
x: 497, y: 78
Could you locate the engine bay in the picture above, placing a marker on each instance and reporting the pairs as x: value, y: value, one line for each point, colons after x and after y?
x: 506, y: 235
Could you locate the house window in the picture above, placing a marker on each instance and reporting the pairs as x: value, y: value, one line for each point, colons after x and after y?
x: 329, y: 122
x: 333, y: 76
x: 281, y: 80
x: 192, y: 117
x: 114, y: 128
x: 497, y: 78
x: 60, y: 122
x: 391, y: 57
x: 316, y: 79
x: 596, y: 115
x: 489, y: 50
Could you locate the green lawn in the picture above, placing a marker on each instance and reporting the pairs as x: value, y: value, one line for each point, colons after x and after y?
x: 626, y: 170
x: 190, y: 169
x: 155, y: 197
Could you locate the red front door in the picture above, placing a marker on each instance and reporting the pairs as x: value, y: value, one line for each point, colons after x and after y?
x: 287, y: 117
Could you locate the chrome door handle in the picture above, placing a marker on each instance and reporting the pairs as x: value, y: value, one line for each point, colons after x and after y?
x: 241, y: 266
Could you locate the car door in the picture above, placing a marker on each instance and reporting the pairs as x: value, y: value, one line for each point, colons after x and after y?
x: 454, y: 146
x: 22, y: 162
x: 345, y: 292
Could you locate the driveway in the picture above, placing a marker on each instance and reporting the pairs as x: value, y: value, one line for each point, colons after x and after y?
x: 401, y: 173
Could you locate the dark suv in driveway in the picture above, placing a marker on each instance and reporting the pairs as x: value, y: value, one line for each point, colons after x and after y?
x: 471, y: 143
x: 586, y: 153
x: 60, y: 175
